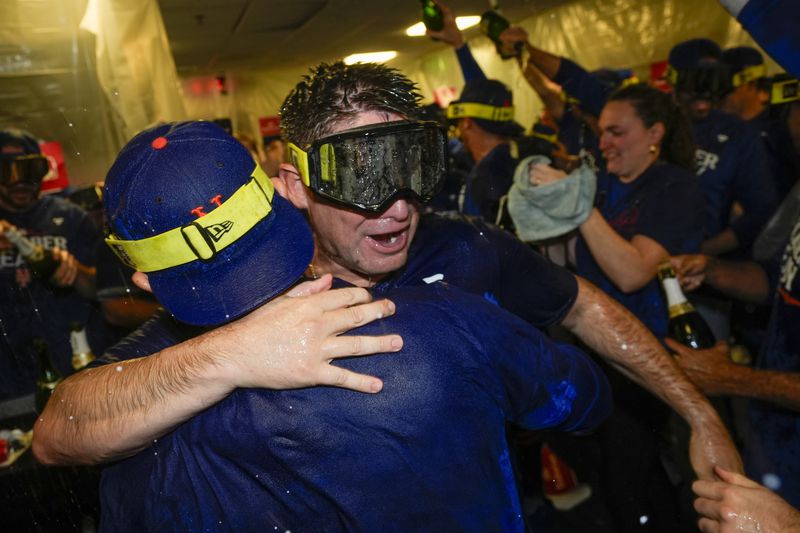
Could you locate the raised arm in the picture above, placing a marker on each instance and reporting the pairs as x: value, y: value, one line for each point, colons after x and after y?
x: 613, y: 332
x: 116, y: 410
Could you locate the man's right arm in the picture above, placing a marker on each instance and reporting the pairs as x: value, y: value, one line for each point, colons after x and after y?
x: 114, y: 411
x: 614, y: 333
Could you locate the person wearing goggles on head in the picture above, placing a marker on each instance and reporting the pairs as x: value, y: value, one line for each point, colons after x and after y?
x: 31, y: 307
x: 396, y: 246
x: 731, y: 158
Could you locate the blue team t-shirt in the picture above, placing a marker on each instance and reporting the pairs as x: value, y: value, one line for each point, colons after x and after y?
x: 665, y: 204
x: 30, y: 308
x: 428, y: 451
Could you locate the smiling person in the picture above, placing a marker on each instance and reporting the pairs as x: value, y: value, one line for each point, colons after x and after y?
x: 650, y: 206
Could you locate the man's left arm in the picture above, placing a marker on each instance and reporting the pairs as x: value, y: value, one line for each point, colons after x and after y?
x: 614, y: 333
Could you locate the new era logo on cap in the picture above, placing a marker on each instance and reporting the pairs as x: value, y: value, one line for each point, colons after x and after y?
x: 216, y: 231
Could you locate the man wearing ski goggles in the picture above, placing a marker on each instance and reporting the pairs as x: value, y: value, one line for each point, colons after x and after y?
x: 368, y: 167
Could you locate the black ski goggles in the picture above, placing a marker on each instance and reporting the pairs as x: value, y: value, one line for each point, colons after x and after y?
x: 29, y: 169
x: 707, y: 82
x: 368, y: 167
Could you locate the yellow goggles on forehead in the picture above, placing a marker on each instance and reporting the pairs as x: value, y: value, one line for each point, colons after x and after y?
x: 483, y: 111
x: 785, y: 91
x: 203, y: 238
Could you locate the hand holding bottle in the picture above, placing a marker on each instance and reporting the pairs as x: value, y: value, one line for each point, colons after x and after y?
x: 710, y: 369
x: 512, y: 41
x: 691, y: 269
x: 449, y: 33
x: 67, y: 271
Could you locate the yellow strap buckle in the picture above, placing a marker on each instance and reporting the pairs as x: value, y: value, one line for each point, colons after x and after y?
x: 785, y: 91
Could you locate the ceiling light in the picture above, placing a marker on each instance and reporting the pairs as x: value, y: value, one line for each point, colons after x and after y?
x: 418, y: 29
x: 370, y: 57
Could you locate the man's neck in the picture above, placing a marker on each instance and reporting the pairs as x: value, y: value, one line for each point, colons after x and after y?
x: 481, y: 147
x: 324, y: 265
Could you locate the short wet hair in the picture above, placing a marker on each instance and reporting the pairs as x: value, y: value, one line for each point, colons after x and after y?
x: 333, y: 93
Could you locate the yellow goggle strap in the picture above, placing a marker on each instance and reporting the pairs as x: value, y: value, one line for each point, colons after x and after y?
x: 552, y: 138
x: 483, y: 111
x: 785, y: 91
x: 671, y: 76
x: 203, y: 238
x: 749, y: 74
x: 299, y: 159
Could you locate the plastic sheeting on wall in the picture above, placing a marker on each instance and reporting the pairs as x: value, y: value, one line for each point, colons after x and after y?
x: 49, y: 83
x: 134, y: 62
x: 594, y: 33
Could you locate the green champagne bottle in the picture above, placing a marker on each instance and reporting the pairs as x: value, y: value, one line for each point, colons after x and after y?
x: 40, y: 261
x: 49, y: 377
x: 431, y: 15
x: 492, y: 25
x: 685, y: 323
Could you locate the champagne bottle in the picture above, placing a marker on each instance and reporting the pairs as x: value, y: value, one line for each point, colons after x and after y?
x: 49, y: 377
x: 492, y: 25
x: 685, y: 323
x: 431, y: 15
x: 81, y: 351
x: 40, y: 261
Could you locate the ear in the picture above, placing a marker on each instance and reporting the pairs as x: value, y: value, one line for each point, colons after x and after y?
x: 141, y: 280
x: 656, y: 133
x: 290, y: 185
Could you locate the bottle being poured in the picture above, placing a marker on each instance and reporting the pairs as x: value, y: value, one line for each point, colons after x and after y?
x: 40, y: 261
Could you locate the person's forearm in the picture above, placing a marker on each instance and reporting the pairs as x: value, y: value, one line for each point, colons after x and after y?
x: 779, y: 388
x: 723, y: 242
x: 620, y: 260
x: 544, y: 61
x: 618, y: 336
x: 114, y: 411
x: 546, y: 89
x: 741, y: 280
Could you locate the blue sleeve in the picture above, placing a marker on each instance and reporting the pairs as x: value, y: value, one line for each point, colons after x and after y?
x: 551, y: 385
x: 773, y: 24
x: 528, y: 284
x: 469, y: 67
x: 579, y: 84
x: 753, y: 185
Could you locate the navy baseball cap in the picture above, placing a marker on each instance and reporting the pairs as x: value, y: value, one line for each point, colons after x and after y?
x: 746, y: 64
x: 186, y: 203
x: 495, y: 110
x: 16, y: 143
x: 694, y: 53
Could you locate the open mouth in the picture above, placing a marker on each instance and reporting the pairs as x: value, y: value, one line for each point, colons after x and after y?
x: 390, y: 241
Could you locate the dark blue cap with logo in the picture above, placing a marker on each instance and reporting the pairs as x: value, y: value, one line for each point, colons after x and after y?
x: 168, y: 176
